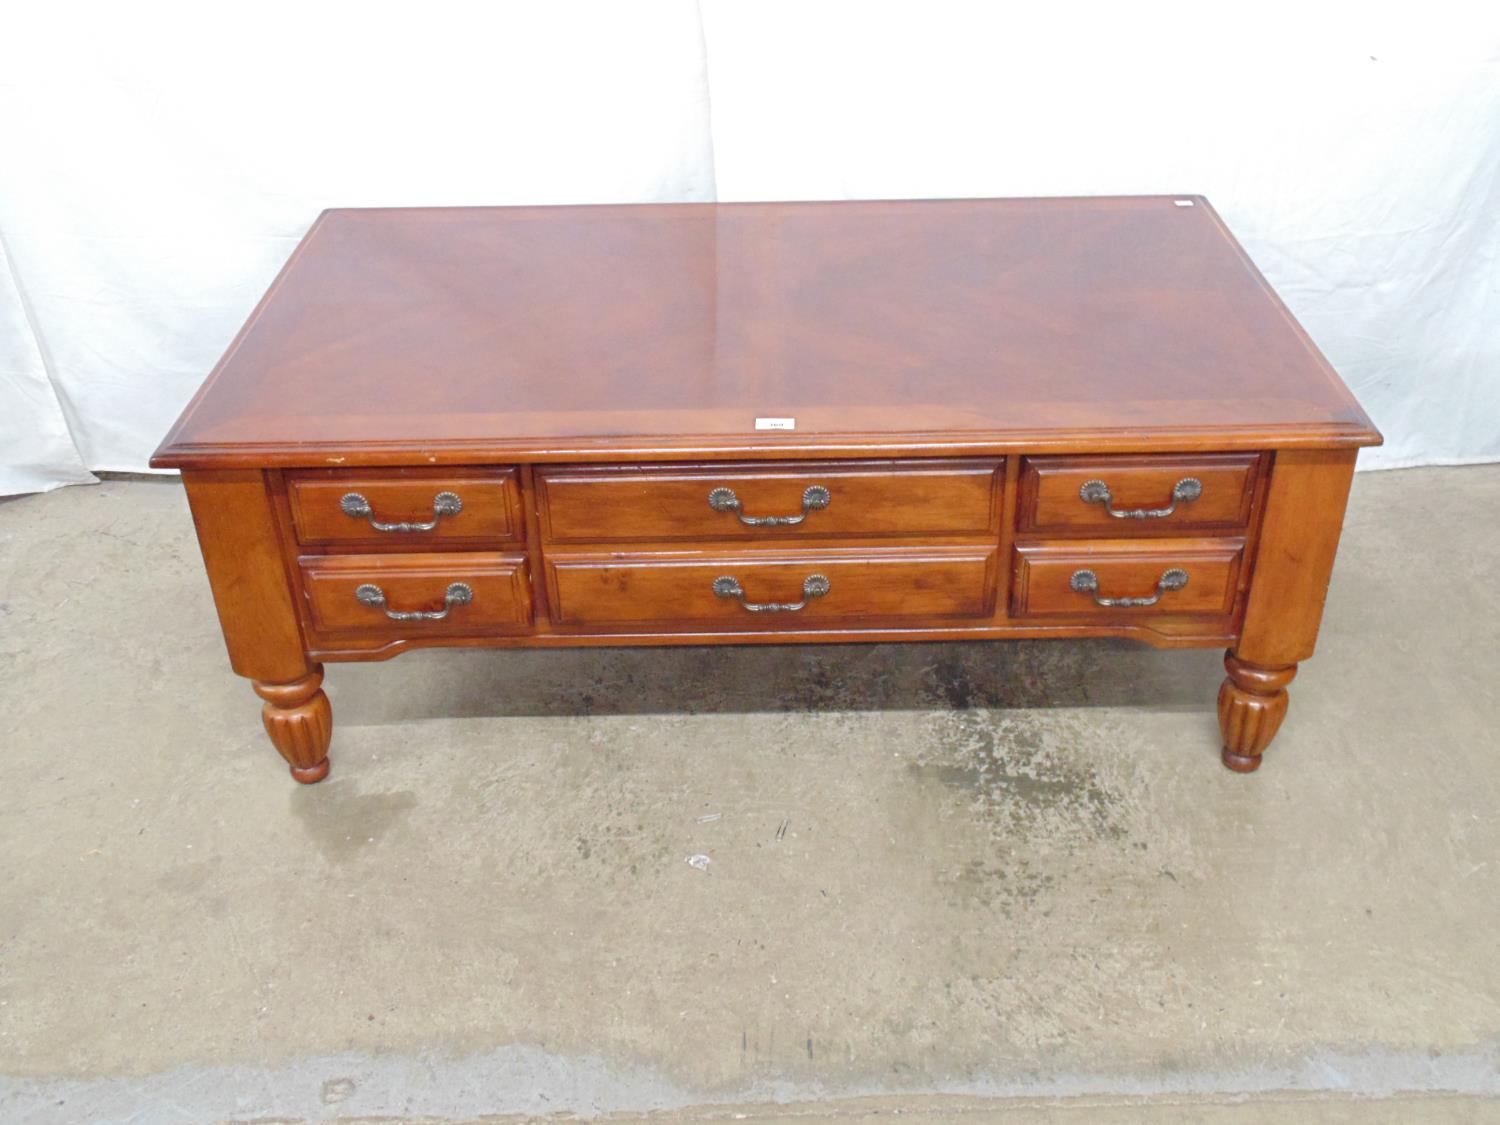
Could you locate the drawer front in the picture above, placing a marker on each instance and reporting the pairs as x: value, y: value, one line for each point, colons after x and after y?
x: 1161, y: 579
x: 792, y: 591
x: 396, y: 508
x: 827, y: 500
x: 474, y: 593
x: 1138, y: 495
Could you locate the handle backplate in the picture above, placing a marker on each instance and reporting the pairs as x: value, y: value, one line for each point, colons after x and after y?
x: 458, y: 593
x: 1184, y: 491
x: 1087, y: 582
x: 813, y: 586
x: 355, y: 506
x: 814, y: 499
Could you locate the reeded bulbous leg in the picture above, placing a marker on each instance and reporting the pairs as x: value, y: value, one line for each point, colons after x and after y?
x: 300, y: 723
x: 1252, y: 703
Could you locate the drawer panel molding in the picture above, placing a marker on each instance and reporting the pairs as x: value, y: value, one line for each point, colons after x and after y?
x: 1111, y: 581
x: 415, y: 595
x: 750, y: 589
x: 827, y: 500
x: 1129, y: 496
x: 393, y: 509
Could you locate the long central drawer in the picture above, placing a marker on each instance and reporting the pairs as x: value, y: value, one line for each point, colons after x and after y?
x: 761, y: 589
x: 706, y: 503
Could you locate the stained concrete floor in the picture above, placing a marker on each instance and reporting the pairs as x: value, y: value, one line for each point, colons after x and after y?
x: 972, y: 881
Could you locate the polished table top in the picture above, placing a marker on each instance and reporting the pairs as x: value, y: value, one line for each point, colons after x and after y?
x: 532, y: 333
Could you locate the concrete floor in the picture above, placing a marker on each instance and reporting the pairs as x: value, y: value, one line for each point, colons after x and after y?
x: 973, y: 881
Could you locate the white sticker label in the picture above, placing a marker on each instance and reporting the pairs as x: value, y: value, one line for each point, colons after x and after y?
x: 776, y: 423
x: 1182, y: 202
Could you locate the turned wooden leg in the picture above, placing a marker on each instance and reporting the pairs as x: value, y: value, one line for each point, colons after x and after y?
x: 300, y: 723
x: 1252, y: 703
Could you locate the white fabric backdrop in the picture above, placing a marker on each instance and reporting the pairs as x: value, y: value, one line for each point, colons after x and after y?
x: 157, y: 164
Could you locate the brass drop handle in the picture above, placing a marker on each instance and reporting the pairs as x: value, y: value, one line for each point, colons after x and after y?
x: 814, y: 586
x: 1184, y: 491
x: 458, y: 593
x: 357, y: 507
x: 815, y: 499
x: 1087, y: 582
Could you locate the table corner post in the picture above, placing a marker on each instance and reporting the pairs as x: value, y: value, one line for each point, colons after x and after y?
x: 1299, y: 537
x: 241, y: 538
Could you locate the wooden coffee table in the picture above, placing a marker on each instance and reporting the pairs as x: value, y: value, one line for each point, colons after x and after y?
x: 768, y: 423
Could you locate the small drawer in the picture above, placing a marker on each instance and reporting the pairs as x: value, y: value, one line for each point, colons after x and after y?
x: 853, y: 500
x: 762, y: 590
x: 1115, y: 580
x: 417, y: 595
x: 1138, y: 495
x: 395, y: 507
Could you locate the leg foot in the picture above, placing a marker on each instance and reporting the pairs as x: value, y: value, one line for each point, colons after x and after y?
x: 300, y: 723
x: 1252, y: 703
x: 311, y: 774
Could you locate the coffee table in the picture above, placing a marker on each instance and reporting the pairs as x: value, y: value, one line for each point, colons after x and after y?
x: 768, y: 423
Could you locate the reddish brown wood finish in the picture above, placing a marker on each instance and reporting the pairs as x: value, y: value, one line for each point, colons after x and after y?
x: 242, y: 549
x: 500, y: 335
x: 1127, y: 569
x: 1299, y: 538
x: 880, y: 499
x: 1162, y: 632
x: 583, y: 377
x: 300, y: 722
x: 490, y: 512
x: 417, y: 582
x: 1252, y: 703
x: 866, y: 587
x: 1051, y: 500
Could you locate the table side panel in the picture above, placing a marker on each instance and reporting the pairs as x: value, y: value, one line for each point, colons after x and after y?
x: 1306, y: 498
x: 242, y: 539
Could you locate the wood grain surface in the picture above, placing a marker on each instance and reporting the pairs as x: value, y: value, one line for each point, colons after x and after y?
x: 438, y: 336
